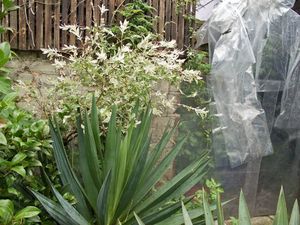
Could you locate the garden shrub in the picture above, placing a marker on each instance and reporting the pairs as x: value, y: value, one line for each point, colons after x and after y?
x: 118, y: 73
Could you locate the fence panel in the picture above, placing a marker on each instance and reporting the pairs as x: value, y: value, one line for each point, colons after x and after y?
x: 37, y: 23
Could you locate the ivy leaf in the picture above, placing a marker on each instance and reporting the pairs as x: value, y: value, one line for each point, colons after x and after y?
x: 3, y: 140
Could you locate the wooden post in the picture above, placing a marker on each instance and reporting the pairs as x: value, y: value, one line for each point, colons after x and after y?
x: 22, y: 25
x: 88, y: 13
x: 39, y: 38
x: 168, y: 20
x: 73, y: 19
x: 14, y: 26
x: 57, y: 15
x: 31, y: 28
x: 48, y: 23
x: 65, y: 20
x: 174, y: 20
x: 180, y: 27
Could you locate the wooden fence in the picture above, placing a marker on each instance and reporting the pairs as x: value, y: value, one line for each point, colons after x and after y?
x: 36, y: 24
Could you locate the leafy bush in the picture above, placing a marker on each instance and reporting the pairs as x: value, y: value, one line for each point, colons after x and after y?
x: 118, y: 74
x: 119, y: 175
x: 24, y: 148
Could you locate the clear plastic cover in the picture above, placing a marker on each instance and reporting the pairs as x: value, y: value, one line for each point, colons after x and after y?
x: 255, y: 56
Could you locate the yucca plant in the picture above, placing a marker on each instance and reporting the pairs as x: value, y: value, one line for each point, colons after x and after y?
x: 119, y: 176
x: 281, y: 217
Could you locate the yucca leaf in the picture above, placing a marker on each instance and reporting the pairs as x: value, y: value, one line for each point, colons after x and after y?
x: 220, y: 213
x: 55, y: 210
x: 244, y: 216
x: 67, y: 174
x: 149, y: 181
x: 69, y: 209
x: 138, y: 219
x: 134, y: 179
x: 186, y: 217
x: 181, y: 183
x: 209, y: 220
x: 111, y: 142
x: 102, y: 201
x: 155, y: 155
x: 87, y: 177
x: 95, y: 128
x: 295, y: 217
x: 281, y: 217
x: 139, y: 136
x: 194, y: 214
x: 91, y: 152
x: 120, y: 170
x: 164, y: 213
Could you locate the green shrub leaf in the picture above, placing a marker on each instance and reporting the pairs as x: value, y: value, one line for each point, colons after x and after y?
x: 27, y: 212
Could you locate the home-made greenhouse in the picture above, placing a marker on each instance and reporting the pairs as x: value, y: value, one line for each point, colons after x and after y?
x: 255, y: 56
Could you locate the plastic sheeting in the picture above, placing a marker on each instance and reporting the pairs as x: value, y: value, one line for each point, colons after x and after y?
x: 255, y: 55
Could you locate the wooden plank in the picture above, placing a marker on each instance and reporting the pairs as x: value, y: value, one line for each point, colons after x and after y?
x: 119, y: 4
x: 111, y: 8
x: 39, y: 24
x: 31, y: 27
x: 48, y: 23
x: 161, y: 24
x: 106, y: 14
x: 81, y: 17
x: 88, y: 13
x: 174, y: 20
x: 57, y: 15
x: 22, y: 25
x: 180, y: 27
x: 73, y: 18
x: 168, y: 20
x: 65, y: 20
x: 155, y: 15
x: 187, y: 24
x: 14, y: 26
x: 96, y: 12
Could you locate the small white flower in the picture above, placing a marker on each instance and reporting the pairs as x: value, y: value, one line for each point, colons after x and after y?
x: 118, y: 58
x: 123, y: 26
x: 51, y: 52
x: 69, y: 48
x: 149, y: 68
x: 59, y: 64
x: 101, y: 56
x: 102, y: 9
x: 105, y: 30
x: 168, y: 44
x: 125, y: 48
x: 73, y: 29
